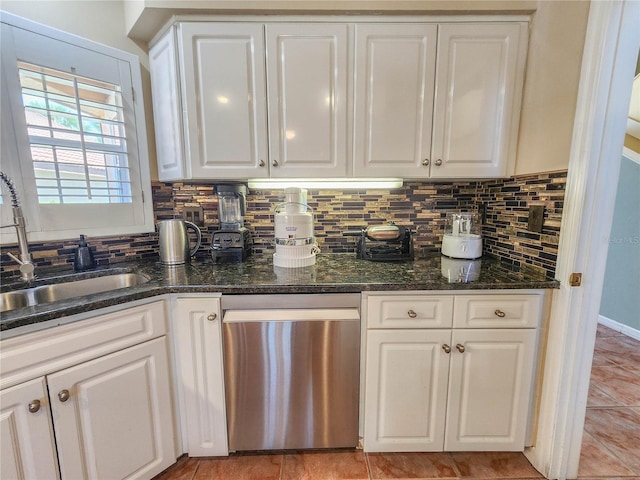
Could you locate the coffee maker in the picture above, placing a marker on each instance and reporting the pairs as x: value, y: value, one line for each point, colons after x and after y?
x: 232, y: 241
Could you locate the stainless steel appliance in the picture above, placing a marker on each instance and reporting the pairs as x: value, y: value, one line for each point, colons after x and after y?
x: 174, y: 241
x: 291, y: 370
x: 232, y: 242
x: 384, y: 243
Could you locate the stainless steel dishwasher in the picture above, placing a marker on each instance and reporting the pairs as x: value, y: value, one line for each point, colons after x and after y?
x: 291, y: 370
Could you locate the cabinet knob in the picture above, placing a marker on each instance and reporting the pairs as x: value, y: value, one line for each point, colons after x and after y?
x: 438, y: 162
x: 275, y: 163
x: 425, y: 162
x: 34, y: 406
x: 499, y: 313
x: 261, y: 163
x: 412, y: 314
x: 63, y: 395
x: 446, y: 348
x: 212, y: 317
x: 460, y: 347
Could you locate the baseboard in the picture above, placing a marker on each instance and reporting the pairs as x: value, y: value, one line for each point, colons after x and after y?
x: 619, y: 327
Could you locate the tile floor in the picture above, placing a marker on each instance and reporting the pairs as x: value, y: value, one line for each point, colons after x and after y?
x: 611, y: 448
x: 611, y: 442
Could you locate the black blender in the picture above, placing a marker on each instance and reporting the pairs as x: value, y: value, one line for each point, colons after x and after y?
x: 232, y: 242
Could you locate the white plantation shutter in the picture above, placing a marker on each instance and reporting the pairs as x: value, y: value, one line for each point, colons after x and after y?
x: 80, y: 136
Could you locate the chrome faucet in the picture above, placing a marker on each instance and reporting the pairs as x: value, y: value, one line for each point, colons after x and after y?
x: 24, y: 259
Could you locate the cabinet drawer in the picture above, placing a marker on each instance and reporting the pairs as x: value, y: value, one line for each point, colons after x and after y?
x: 497, y: 311
x: 40, y: 353
x: 409, y: 311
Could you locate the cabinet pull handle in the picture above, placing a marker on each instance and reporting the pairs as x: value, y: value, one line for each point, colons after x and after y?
x: 274, y: 163
x: 412, y: 314
x: 425, y: 162
x: 63, y: 395
x: 438, y: 162
x: 261, y: 163
x: 34, y: 406
x: 446, y: 348
x: 499, y: 313
x: 212, y: 317
x: 460, y: 347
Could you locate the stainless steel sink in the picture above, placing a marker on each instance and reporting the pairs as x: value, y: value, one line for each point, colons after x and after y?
x: 65, y: 290
x: 12, y: 300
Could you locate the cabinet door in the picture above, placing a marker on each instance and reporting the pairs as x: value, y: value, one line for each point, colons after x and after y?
x: 307, y: 73
x: 489, y: 389
x: 224, y: 99
x: 394, y: 99
x: 405, y: 390
x: 113, y: 415
x: 26, y: 436
x: 477, y: 108
x: 198, y: 340
x: 167, y: 112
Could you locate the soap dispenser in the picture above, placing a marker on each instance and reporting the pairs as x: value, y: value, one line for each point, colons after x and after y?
x: 83, y: 259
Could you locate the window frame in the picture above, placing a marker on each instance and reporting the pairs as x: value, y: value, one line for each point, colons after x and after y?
x: 63, y: 51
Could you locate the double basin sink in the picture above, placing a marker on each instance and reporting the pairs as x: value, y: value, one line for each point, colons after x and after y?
x: 65, y: 290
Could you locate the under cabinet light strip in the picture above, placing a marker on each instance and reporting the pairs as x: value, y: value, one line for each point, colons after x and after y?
x: 325, y: 183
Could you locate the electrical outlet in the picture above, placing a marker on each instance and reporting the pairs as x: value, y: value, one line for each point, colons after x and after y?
x: 194, y: 215
x: 536, y: 218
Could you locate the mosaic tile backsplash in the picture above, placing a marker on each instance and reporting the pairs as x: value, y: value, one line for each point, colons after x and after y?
x: 422, y: 206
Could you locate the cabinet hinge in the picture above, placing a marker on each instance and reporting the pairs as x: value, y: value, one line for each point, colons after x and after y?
x: 575, y: 279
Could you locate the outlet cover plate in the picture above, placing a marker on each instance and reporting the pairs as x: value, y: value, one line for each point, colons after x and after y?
x: 536, y: 218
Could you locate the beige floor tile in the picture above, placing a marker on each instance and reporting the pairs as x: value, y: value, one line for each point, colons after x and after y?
x: 619, y: 383
x: 240, y: 467
x: 184, y: 469
x: 597, y: 461
x: 504, y: 465
x: 411, y: 465
x: 618, y: 429
x: 348, y: 465
x: 597, y: 398
x: 621, y: 350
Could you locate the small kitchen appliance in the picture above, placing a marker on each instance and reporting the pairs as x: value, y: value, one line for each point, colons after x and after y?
x: 232, y: 241
x: 462, y: 237
x: 295, y: 242
x: 173, y: 240
x: 384, y: 243
x: 459, y: 270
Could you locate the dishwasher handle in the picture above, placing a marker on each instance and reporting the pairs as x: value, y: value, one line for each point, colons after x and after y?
x: 291, y: 315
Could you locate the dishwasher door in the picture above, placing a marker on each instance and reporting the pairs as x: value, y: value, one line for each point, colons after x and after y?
x: 291, y: 378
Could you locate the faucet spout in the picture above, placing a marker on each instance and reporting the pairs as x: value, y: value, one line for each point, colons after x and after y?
x: 27, y: 267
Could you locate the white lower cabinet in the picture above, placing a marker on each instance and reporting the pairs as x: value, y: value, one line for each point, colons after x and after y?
x: 112, y: 416
x: 27, y: 445
x: 198, y: 341
x: 112, y: 412
x: 448, y: 389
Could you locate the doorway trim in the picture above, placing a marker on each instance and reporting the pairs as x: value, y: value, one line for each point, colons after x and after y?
x: 609, y: 58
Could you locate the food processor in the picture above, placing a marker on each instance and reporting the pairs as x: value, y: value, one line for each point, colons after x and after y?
x: 462, y: 238
x: 232, y: 241
x: 295, y: 242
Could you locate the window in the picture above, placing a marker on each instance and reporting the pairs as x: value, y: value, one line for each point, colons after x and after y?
x: 77, y: 142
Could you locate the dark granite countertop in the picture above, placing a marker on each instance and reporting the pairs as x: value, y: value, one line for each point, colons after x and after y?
x: 332, y: 273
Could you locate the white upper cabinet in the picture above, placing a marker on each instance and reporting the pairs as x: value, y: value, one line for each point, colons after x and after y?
x: 445, y: 112
x: 307, y: 72
x: 479, y: 78
x: 166, y: 109
x: 237, y: 100
x: 223, y: 86
x: 396, y: 66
